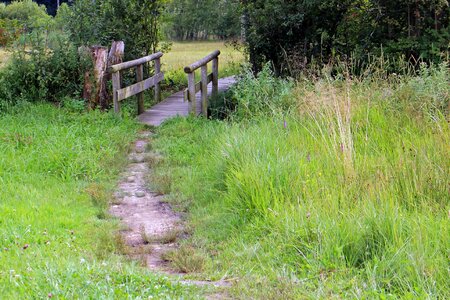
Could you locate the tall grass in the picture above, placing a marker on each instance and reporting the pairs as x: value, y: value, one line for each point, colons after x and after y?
x: 343, y: 194
x: 58, y: 170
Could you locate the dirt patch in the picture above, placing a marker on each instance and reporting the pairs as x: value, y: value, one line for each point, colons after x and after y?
x: 151, y: 226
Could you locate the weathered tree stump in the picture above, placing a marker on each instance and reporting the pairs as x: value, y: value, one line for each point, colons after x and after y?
x: 94, y: 90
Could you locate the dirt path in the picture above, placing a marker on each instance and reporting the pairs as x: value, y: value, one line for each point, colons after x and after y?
x: 151, y: 226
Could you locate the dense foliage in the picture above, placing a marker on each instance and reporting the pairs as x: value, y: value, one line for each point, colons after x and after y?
x: 45, y: 63
x: 133, y: 21
x: 292, y: 33
x: 193, y: 19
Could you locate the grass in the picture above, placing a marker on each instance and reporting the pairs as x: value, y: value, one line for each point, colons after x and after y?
x: 4, y: 56
x: 185, y: 53
x: 344, y: 194
x: 58, y: 170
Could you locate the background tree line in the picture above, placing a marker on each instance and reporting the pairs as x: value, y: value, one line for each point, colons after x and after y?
x: 291, y: 34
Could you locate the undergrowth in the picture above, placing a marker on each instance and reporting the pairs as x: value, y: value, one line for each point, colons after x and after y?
x: 337, y: 188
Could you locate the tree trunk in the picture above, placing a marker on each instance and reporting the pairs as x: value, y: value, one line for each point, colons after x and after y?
x: 94, y: 90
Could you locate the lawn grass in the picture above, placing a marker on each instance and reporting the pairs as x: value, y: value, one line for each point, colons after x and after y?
x: 58, y: 170
x: 343, y: 194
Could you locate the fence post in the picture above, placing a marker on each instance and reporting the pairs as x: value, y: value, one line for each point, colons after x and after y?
x: 205, y: 90
x: 215, y: 79
x: 191, y: 87
x: 140, y: 96
x: 157, y: 86
x: 116, y: 87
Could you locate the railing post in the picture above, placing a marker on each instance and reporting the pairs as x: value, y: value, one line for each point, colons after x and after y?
x: 191, y: 87
x: 140, y: 96
x: 157, y: 86
x: 204, y: 90
x: 215, y: 79
x: 116, y: 87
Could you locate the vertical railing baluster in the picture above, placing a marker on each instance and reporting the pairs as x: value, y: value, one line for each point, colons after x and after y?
x: 192, y: 100
x: 215, y: 79
x: 157, y: 86
x: 204, y: 90
x: 116, y: 87
x: 140, y: 96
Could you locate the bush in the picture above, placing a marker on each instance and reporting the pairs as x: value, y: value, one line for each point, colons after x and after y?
x: 261, y: 95
x: 9, y: 31
x: 27, y: 12
x: 42, y: 73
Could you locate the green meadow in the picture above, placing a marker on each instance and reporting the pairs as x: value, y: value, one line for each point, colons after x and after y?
x: 331, y: 189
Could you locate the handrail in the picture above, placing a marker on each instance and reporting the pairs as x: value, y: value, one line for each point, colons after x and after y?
x: 201, y: 62
x: 194, y: 87
x: 141, y: 84
x: 134, y: 63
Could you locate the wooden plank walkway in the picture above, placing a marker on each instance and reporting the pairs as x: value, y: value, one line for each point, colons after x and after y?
x: 176, y: 106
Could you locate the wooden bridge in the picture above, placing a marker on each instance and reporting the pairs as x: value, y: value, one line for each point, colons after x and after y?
x: 193, y: 100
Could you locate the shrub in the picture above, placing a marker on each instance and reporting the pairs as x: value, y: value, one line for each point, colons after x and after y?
x: 261, y: 95
x: 27, y: 12
x: 42, y: 73
x: 9, y: 31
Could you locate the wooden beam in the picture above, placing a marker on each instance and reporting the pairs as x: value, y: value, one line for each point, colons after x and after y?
x: 204, y: 88
x: 192, y: 92
x: 215, y: 77
x: 134, y: 63
x: 139, y: 87
x: 201, y: 62
x: 116, y: 87
x: 157, y: 86
x: 140, y: 96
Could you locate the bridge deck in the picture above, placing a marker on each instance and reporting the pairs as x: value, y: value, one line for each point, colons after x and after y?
x: 176, y: 106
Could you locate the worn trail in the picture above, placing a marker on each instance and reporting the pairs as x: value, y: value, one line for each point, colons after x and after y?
x: 150, y: 224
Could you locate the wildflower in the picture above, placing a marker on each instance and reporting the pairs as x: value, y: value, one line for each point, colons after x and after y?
x: 308, y: 157
x: 50, y: 295
x: 25, y: 246
x: 308, y: 214
x: 285, y: 124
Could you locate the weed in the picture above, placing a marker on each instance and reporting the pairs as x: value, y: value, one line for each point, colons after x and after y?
x: 186, y: 259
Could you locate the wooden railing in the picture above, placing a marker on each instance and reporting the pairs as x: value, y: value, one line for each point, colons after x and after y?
x: 141, y: 85
x: 193, y: 87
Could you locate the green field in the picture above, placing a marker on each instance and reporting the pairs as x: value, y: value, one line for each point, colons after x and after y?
x: 334, y: 189
x: 183, y: 54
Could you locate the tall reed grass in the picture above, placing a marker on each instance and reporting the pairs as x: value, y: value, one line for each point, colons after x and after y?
x: 337, y: 188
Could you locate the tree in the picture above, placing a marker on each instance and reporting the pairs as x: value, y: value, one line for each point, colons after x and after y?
x: 291, y: 33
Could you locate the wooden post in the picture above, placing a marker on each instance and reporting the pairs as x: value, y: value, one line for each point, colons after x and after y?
x: 116, y: 87
x: 115, y: 56
x: 191, y: 87
x: 140, y: 96
x: 204, y: 90
x: 157, y: 86
x: 215, y: 79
